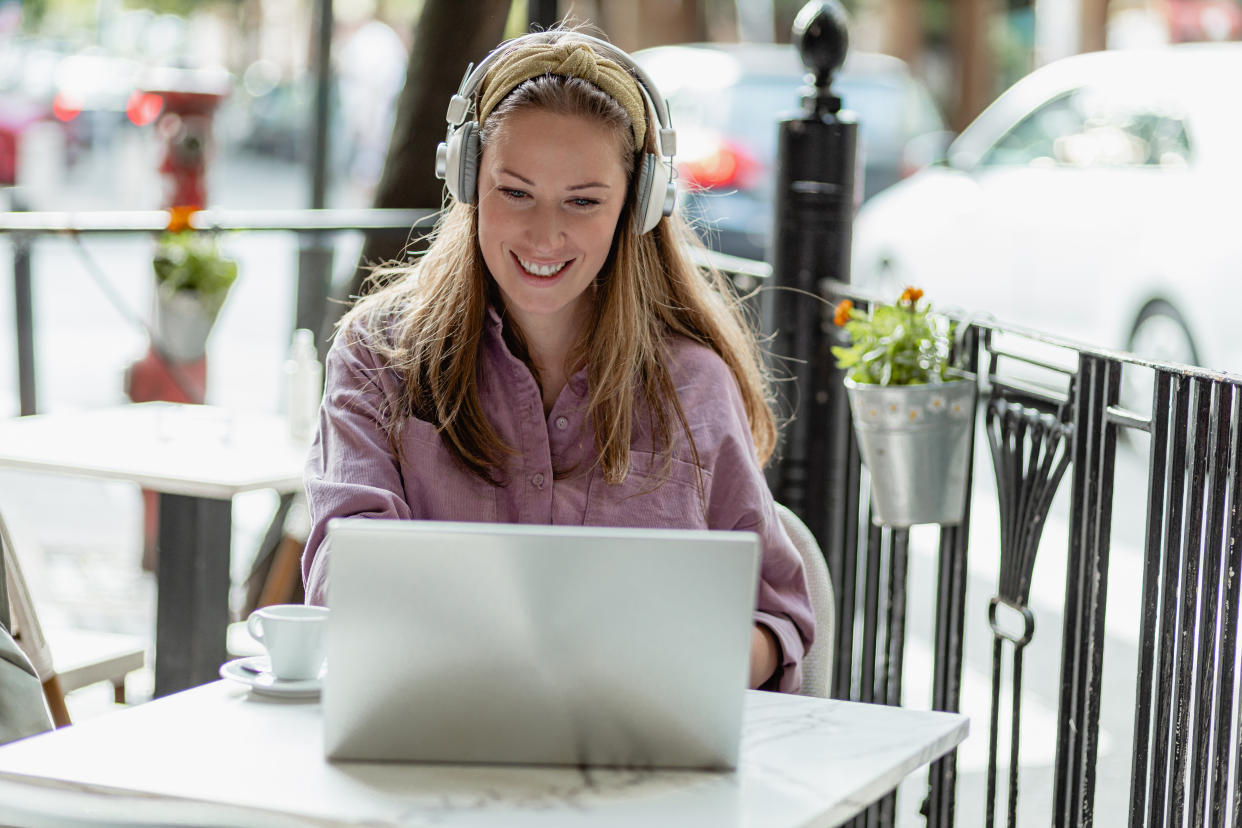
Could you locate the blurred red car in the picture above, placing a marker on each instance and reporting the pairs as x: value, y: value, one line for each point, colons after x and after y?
x: 1194, y: 20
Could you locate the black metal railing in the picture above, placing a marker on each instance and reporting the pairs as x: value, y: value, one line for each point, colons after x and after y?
x: 1065, y: 421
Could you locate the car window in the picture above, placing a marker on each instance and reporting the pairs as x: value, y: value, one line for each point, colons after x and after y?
x: 1091, y: 128
x: 748, y: 112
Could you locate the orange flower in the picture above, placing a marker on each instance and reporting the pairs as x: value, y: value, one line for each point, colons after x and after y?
x: 179, y: 218
x: 842, y: 314
x: 911, y: 296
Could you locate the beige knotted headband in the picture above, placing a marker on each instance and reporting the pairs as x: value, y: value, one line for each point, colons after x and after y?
x: 573, y: 59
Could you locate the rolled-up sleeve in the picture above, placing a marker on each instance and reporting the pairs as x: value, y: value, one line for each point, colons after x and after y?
x: 738, y: 498
x: 351, y: 470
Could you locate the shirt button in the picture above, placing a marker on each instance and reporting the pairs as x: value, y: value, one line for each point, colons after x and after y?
x: 562, y: 423
x: 537, y: 479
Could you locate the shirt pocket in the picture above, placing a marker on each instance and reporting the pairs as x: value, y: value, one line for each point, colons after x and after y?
x: 649, y: 497
x: 437, y: 485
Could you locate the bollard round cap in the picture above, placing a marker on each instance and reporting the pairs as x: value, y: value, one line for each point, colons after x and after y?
x: 821, y: 33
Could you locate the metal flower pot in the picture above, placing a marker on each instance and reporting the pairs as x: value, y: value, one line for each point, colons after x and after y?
x: 915, y: 442
x: 182, y: 324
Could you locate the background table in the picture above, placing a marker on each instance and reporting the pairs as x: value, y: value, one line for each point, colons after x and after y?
x: 218, y: 755
x: 197, y: 457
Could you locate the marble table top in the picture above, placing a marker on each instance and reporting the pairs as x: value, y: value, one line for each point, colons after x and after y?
x: 218, y: 755
x: 192, y: 450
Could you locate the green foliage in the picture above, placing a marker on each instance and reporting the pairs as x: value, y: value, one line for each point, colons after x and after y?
x: 182, y: 8
x: 191, y: 261
x: 899, y: 344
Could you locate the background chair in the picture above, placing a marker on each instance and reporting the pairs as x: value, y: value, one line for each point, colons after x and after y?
x: 23, y: 711
x: 817, y: 663
x: 64, y: 659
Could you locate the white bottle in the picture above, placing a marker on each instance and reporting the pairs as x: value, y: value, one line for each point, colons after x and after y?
x: 303, y: 385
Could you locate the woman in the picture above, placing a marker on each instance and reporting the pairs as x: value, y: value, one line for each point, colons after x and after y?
x: 549, y: 361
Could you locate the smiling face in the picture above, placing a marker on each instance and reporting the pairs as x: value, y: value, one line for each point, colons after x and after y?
x: 551, y: 188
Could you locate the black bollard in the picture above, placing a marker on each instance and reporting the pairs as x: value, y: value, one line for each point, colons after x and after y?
x: 814, y: 208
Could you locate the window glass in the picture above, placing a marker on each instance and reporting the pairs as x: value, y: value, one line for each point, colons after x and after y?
x: 1088, y: 128
x: 748, y: 111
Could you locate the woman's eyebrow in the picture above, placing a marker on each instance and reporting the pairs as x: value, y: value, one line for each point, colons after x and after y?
x: 522, y: 178
x: 587, y: 186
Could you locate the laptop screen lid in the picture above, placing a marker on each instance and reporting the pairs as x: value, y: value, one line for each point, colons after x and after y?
x: 464, y: 642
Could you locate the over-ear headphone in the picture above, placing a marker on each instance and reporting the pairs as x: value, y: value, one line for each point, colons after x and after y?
x: 457, y: 157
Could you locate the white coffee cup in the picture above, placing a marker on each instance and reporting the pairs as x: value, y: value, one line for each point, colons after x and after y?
x: 293, y: 636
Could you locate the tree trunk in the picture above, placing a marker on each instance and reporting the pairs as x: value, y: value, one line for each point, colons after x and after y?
x: 972, y: 59
x: 449, y: 35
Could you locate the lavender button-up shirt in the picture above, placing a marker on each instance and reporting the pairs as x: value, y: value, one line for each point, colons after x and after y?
x: 553, y: 478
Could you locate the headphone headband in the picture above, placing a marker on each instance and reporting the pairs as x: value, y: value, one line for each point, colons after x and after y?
x: 457, y: 157
x: 666, y: 137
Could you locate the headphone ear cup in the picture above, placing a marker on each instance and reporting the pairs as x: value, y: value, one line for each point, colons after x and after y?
x: 461, y: 174
x: 653, y: 195
x: 653, y: 199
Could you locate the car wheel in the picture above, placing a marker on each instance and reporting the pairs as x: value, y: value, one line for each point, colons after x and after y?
x: 1161, y: 334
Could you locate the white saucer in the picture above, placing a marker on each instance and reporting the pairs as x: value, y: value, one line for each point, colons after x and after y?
x: 264, y: 682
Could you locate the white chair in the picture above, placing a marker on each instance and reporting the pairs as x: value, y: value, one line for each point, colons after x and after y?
x: 65, y: 659
x: 817, y: 663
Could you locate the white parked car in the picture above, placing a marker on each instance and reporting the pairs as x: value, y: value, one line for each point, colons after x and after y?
x: 1099, y: 198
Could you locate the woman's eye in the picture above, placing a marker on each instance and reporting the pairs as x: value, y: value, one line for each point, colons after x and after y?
x: 584, y: 202
x: 510, y: 192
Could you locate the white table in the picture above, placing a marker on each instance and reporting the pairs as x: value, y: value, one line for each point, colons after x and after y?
x: 218, y: 755
x: 197, y: 457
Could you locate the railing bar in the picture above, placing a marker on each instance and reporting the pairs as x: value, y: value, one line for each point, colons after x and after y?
x: 871, y: 601
x: 897, y: 601
x: 946, y: 682
x: 1236, y: 567
x: 1156, y: 499
x: 1124, y: 417
x: 989, y: 818
x: 1191, y: 540
x: 883, y: 634
x: 951, y: 599
x: 844, y: 573
x: 1030, y: 360
x: 1229, y: 622
x: 1209, y: 639
x: 1103, y: 463
x: 1015, y: 733
x: 300, y: 220
x: 888, y: 809
x: 1171, y: 585
x: 1029, y: 522
x: 1068, y: 737
x: 1049, y: 395
x: 1011, y: 518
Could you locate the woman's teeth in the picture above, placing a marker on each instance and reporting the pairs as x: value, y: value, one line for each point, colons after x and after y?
x: 541, y: 269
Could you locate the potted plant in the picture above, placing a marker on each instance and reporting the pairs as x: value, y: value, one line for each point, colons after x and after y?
x: 911, y: 409
x: 192, y: 280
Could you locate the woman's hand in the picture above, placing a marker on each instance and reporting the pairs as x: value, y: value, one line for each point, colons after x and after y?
x: 764, y: 652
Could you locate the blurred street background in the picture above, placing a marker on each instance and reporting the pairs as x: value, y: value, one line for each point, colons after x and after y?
x: 79, y: 131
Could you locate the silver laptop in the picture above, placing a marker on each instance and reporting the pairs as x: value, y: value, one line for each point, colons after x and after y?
x: 475, y: 642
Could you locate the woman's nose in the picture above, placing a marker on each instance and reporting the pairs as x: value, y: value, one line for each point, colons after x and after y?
x: 546, y: 229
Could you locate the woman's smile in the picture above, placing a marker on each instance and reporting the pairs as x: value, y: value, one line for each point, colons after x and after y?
x: 542, y: 270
